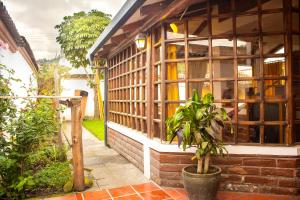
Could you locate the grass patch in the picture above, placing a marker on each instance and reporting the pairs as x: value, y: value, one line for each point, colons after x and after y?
x: 96, y: 127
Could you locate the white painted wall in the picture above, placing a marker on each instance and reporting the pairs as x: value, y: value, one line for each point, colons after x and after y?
x: 68, y: 89
x: 70, y: 85
x: 22, y: 71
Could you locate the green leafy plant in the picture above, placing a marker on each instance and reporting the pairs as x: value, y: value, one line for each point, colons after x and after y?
x: 7, y: 107
x: 53, y: 177
x: 198, y: 124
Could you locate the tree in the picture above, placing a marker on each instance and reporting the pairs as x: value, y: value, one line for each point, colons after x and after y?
x: 77, y: 33
x: 46, y: 77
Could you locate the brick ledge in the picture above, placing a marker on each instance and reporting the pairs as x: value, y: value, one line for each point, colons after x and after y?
x: 232, y: 149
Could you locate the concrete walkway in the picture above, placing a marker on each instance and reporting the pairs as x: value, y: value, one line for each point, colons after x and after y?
x: 108, y: 168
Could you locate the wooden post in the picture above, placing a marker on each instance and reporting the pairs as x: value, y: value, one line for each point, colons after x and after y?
x: 77, y: 152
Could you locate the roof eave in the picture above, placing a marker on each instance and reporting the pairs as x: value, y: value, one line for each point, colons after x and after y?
x: 124, y: 13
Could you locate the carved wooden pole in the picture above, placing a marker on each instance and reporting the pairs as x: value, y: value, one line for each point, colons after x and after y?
x: 77, y: 152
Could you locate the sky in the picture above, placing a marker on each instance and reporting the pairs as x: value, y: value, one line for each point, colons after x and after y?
x: 35, y: 19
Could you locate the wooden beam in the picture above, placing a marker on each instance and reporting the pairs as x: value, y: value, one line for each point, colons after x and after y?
x: 118, y: 38
x: 133, y: 25
x: 174, y: 8
x: 154, y: 7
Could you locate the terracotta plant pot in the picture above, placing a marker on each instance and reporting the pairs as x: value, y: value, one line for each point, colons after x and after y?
x: 201, y: 186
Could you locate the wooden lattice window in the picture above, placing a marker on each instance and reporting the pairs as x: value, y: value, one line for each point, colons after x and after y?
x: 237, y: 50
x: 126, y: 88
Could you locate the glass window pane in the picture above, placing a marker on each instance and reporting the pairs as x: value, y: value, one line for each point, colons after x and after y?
x: 175, y: 50
x: 275, y: 111
x: 223, y: 68
x: 223, y: 90
x: 202, y: 87
x: 175, y: 30
x: 273, y: 44
x: 295, y: 3
x: 221, y: 25
x: 295, y: 22
x: 272, y: 22
x: 249, y: 89
x: 274, y: 134
x: 297, y: 132
x: 274, y: 67
x: 296, y: 43
x: 274, y: 89
x: 272, y: 4
x: 157, y: 72
x: 222, y: 47
x: 249, y: 112
x: 157, y: 53
x: 242, y: 6
x: 157, y: 110
x: 229, y: 107
x: 199, y: 69
x: 227, y: 135
x: 248, y: 67
x: 198, y: 48
x: 247, y: 45
x: 157, y: 92
x: 198, y: 27
x: 176, y: 91
x: 157, y: 35
x: 175, y: 71
x: 171, y: 109
x: 220, y: 7
x: 248, y: 134
x: 247, y: 24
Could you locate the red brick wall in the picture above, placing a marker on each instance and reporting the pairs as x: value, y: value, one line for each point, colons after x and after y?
x: 243, y: 173
x: 130, y: 149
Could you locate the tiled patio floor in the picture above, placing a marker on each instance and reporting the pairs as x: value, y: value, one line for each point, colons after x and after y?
x: 150, y: 191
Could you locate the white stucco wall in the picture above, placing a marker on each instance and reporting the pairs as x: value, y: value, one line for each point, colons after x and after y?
x: 22, y: 71
x: 69, y: 86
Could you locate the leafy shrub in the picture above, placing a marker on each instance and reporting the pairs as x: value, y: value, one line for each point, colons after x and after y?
x: 43, y: 157
x: 53, y: 177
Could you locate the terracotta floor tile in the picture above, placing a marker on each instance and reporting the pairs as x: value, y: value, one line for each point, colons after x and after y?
x: 66, y: 197
x: 175, y: 194
x: 156, y: 195
x: 96, y: 195
x: 129, y: 197
x: 122, y: 191
x: 79, y: 196
x: 147, y: 187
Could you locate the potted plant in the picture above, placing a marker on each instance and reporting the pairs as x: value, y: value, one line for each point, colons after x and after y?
x: 198, y: 124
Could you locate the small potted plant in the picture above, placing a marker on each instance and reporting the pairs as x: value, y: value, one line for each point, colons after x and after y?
x: 198, y: 124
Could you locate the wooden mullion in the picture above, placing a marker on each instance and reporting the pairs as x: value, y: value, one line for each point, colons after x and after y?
x: 290, y: 138
x: 262, y: 106
x: 210, y: 46
x: 186, y: 55
x: 163, y: 85
x: 235, y: 74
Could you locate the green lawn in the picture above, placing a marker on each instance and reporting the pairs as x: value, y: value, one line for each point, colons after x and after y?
x: 96, y: 127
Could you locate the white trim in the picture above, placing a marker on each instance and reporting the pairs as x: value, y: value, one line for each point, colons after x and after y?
x: 232, y: 149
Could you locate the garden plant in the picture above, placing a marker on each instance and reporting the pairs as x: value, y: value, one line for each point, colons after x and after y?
x: 30, y: 161
x: 198, y: 124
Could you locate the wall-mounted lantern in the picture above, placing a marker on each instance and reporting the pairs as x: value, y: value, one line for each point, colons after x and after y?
x: 140, y: 41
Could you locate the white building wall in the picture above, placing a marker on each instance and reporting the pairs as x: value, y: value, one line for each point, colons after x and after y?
x: 70, y: 85
x: 22, y: 71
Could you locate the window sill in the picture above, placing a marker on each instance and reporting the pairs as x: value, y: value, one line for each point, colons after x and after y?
x: 232, y: 149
